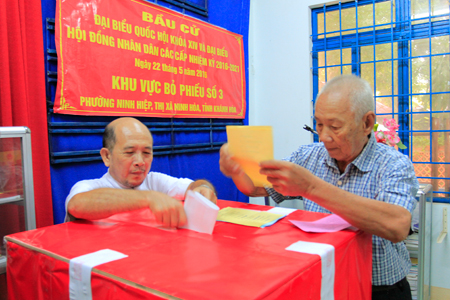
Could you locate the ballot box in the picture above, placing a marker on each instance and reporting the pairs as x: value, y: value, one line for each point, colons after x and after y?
x: 235, y: 262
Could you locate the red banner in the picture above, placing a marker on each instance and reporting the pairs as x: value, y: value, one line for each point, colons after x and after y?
x: 133, y: 58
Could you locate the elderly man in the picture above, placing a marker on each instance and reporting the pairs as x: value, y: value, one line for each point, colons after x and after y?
x: 128, y: 185
x: 371, y: 185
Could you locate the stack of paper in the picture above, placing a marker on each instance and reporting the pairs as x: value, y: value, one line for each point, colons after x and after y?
x: 412, y: 244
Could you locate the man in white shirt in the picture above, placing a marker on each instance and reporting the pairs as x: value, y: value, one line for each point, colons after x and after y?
x: 128, y: 185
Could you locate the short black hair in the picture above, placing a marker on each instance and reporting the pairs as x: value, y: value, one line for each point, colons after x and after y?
x: 109, y: 137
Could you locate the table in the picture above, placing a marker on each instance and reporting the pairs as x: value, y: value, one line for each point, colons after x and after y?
x: 235, y: 262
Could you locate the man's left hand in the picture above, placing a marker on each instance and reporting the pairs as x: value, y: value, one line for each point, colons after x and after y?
x: 287, y: 178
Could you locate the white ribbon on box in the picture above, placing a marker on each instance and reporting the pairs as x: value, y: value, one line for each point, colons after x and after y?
x: 80, y: 272
x: 326, y: 253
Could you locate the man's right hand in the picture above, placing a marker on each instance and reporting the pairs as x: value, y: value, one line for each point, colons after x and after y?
x: 228, y: 166
x: 168, y: 211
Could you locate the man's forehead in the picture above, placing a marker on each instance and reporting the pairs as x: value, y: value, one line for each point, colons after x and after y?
x: 134, y: 140
x: 333, y: 102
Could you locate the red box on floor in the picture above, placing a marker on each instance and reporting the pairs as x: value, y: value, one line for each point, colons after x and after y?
x: 235, y: 262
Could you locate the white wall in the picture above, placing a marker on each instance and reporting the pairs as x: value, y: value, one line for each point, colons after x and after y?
x: 280, y: 73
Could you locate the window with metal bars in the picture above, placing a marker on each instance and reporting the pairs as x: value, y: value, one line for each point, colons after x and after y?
x: 199, y: 7
x: 401, y: 48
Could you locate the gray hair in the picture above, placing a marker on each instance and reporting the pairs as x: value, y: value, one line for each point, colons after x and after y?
x: 358, y: 91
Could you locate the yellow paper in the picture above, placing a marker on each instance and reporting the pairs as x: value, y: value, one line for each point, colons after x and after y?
x: 250, y: 145
x: 246, y: 217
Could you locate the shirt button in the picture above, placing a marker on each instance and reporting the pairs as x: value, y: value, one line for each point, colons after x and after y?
x: 339, y: 182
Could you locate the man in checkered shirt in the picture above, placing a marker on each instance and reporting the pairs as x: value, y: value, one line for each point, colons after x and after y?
x: 369, y: 184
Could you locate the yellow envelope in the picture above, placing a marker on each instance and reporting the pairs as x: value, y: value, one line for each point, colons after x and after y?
x: 246, y: 217
x: 250, y: 145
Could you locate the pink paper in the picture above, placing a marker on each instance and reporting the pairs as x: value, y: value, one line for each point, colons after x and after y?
x: 331, y: 223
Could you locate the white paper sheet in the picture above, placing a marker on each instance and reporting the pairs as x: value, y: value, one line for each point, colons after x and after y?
x: 282, y: 210
x: 201, y: 213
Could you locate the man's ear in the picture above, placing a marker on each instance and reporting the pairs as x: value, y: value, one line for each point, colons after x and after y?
x: 106, y: 156
x: 368, y: 121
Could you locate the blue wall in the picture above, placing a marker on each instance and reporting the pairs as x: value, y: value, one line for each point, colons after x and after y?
x: 76, y: 140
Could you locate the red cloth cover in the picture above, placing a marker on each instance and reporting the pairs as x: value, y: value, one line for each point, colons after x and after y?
x: 235, y: 262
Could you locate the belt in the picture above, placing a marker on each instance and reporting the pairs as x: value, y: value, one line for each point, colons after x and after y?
x: 383, y: 288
